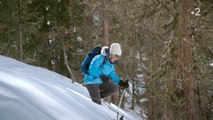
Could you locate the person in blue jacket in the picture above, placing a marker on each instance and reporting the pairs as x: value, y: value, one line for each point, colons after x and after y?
x: 102, y: 80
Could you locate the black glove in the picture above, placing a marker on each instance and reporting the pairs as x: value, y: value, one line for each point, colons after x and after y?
x: 104, y: 78
x: 124, y: 84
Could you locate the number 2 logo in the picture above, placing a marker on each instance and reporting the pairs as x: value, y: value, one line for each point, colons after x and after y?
x: 196, y: 12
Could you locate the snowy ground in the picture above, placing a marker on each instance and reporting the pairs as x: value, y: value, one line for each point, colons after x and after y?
x: 33, y: 93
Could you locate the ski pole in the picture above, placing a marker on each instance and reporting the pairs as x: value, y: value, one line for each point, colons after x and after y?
x: 121, y: 97
x: 120, y: 102
x: 123, y: 94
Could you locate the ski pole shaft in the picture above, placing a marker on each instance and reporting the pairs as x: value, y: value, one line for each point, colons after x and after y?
x: 121, y: 97
x: 120, y: 102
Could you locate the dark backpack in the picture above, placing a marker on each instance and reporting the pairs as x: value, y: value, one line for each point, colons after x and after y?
x: 86, y: 63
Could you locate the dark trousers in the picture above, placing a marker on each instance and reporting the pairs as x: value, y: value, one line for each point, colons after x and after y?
x: 100, y: 91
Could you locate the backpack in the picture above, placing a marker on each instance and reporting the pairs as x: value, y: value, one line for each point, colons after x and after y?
x: 87, y: 60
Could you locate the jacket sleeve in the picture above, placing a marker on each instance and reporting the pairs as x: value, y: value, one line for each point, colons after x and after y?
x: 114, y: 77
x: 95, y: 68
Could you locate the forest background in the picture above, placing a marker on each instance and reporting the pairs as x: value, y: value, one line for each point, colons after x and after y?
x: 167, y: 47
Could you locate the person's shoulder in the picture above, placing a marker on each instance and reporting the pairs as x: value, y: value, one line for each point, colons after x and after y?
x: 99, y: 57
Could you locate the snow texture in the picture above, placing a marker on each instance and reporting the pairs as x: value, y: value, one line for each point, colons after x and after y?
x: 33, y: 93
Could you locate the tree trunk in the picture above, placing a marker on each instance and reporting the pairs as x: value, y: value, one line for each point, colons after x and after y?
x: 72, y: 76
x: 192, y: 99
x: 66, y: 62
x: 69, y: 3
x: 105, y: 22
x: 20, y: 34
x: 20, y: 42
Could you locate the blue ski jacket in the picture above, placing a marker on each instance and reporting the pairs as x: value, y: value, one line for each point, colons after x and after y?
x: 97, y: 68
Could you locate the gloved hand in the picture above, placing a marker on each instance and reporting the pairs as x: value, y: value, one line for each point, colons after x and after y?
x: 104, y: 78
x: 124, y: 84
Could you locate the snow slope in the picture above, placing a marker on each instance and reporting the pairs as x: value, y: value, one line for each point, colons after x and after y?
x: 33, y: 93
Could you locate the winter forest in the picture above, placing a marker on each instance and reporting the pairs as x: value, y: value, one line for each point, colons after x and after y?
x: 167, y: 47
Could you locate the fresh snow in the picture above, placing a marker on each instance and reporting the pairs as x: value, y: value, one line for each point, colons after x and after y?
x: 33, y: 93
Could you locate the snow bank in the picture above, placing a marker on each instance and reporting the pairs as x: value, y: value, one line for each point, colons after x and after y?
x: 33, y: 93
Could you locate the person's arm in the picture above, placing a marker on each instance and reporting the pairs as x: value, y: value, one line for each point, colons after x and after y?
x: 95, y: 68
x: 114, y: 77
